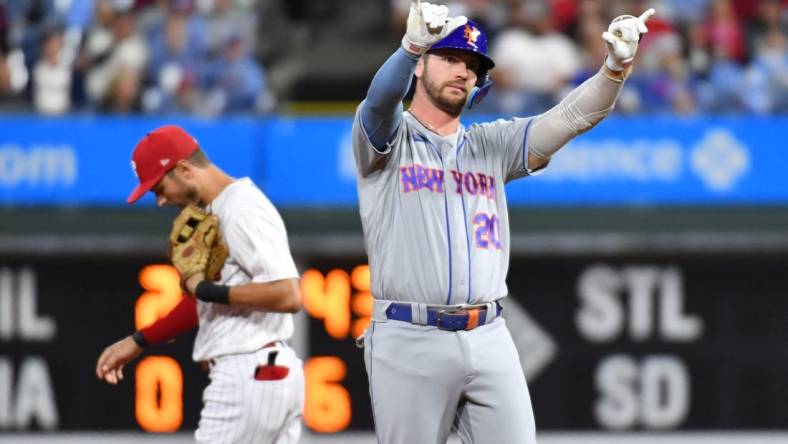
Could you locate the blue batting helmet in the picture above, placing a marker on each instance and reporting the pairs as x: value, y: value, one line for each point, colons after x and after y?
x: 470, y: 37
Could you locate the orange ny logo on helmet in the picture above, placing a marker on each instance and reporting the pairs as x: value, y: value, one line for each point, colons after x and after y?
x: 471, y: 34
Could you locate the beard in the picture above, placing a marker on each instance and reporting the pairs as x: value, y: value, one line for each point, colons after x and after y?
x: 190, y: 196
x: 451, y: 105
x: 188, y: 193
x: 193, y: 195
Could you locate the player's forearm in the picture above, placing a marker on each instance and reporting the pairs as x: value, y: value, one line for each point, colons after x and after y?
x: 390, y: 84
x: 283, y: 296
x: 179, y: 320
x: 381, y: 110
x: 580, y: 111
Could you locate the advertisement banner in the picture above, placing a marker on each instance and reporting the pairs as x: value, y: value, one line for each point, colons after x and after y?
x: 308, y: 162
x: 87, y: 161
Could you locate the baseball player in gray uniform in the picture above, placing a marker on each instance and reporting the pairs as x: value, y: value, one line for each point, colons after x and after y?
x: 436, y: 229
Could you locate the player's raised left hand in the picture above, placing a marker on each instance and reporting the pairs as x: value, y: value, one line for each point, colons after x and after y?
x: 622, y: 37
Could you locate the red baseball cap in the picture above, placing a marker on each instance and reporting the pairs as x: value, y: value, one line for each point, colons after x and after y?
x: 156, y: 154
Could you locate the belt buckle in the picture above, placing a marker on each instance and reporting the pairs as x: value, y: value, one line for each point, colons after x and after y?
x: 452, y: 320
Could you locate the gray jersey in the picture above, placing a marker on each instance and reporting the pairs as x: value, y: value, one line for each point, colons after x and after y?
x: 436, y: 225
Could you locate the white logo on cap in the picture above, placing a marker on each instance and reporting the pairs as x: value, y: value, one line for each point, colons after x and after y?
x: 134, y: 168
x: 164, y: 162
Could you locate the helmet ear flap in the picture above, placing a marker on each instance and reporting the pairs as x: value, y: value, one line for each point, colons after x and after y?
x: 483, y: 86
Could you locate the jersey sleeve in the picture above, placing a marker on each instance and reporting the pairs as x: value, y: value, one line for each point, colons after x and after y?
x: 368, y: 158
x: 258, y: 241
x: 508, y: 141
x: 181, y: 319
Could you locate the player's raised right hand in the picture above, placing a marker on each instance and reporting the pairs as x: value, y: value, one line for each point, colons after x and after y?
x: 622, y: 37
x: 427, y: 24
x: 110, y: 364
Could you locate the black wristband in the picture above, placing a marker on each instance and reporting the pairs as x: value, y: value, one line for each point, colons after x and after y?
x: 209, y: 292
x: 139, y: 338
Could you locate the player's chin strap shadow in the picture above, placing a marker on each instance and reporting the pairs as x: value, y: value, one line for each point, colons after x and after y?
x: 479, y: 91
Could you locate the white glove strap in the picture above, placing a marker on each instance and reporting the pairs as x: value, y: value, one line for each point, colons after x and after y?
x: 413, y: 48
x: 616, y: 75
x: 613, y: 65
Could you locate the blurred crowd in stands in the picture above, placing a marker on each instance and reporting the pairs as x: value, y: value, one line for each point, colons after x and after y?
x: 700, y: 56
x: 198, y: 56
x: 129, y: 56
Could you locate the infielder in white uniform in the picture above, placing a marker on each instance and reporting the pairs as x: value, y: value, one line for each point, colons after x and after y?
x: 256, y: 391
x: 436, y: 228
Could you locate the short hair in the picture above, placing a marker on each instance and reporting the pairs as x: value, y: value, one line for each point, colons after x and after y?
x: 198, y: 158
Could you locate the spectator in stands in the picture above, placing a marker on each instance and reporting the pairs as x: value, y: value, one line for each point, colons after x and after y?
x: 588, y: 27
x: 526, y: 82
x: 151, y: 18
x: 96, y: 46
x: 766, y: 79
x: 123, y: 95
x: 564, y: 13
x: 235, y: 82
x: 769, y: 15
x: 52, y: 76
x: 587, y: 10
x: 493, y: 15
x: 192, y: 68
x: 196, y: 31
x: 399, y: 17
x: 77, y: 15
x: 698, y: 57
x: 5, y: 74
x: 684, y: 12
x: 29, y: 21
x: 662, y: 81
x: 125, y: 59
x: 173, y: 70
x: 721, y: 93
x: 225, y: 19
x: 723, y: 31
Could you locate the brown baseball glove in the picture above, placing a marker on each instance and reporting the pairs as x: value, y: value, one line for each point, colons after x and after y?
x: 196, y: 244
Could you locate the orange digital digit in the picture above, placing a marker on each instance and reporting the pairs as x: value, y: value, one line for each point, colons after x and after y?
x: 327, y: 404
x: 328, y: 298
x: 159, y: 394
x: 158, y: 402
x: 362, y: 300
x: 162, y: 283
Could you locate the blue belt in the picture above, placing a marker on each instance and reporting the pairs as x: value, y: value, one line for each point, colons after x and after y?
x: 444, y: 319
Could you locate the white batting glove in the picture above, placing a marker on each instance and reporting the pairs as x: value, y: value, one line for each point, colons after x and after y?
x: 427, y: 24
x: 622, y: 38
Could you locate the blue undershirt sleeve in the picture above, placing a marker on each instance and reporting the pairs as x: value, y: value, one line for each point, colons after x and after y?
x: 381, y: 111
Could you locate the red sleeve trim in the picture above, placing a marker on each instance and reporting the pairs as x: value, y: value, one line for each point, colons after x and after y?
x: 179, y: 320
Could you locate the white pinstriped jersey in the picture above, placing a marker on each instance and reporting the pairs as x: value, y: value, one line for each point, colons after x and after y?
x: 436, y: 226
x: 256, y: 237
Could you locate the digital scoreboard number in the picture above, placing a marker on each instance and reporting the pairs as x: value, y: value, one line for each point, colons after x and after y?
x: 339, y: 304
x: 158, y: 380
